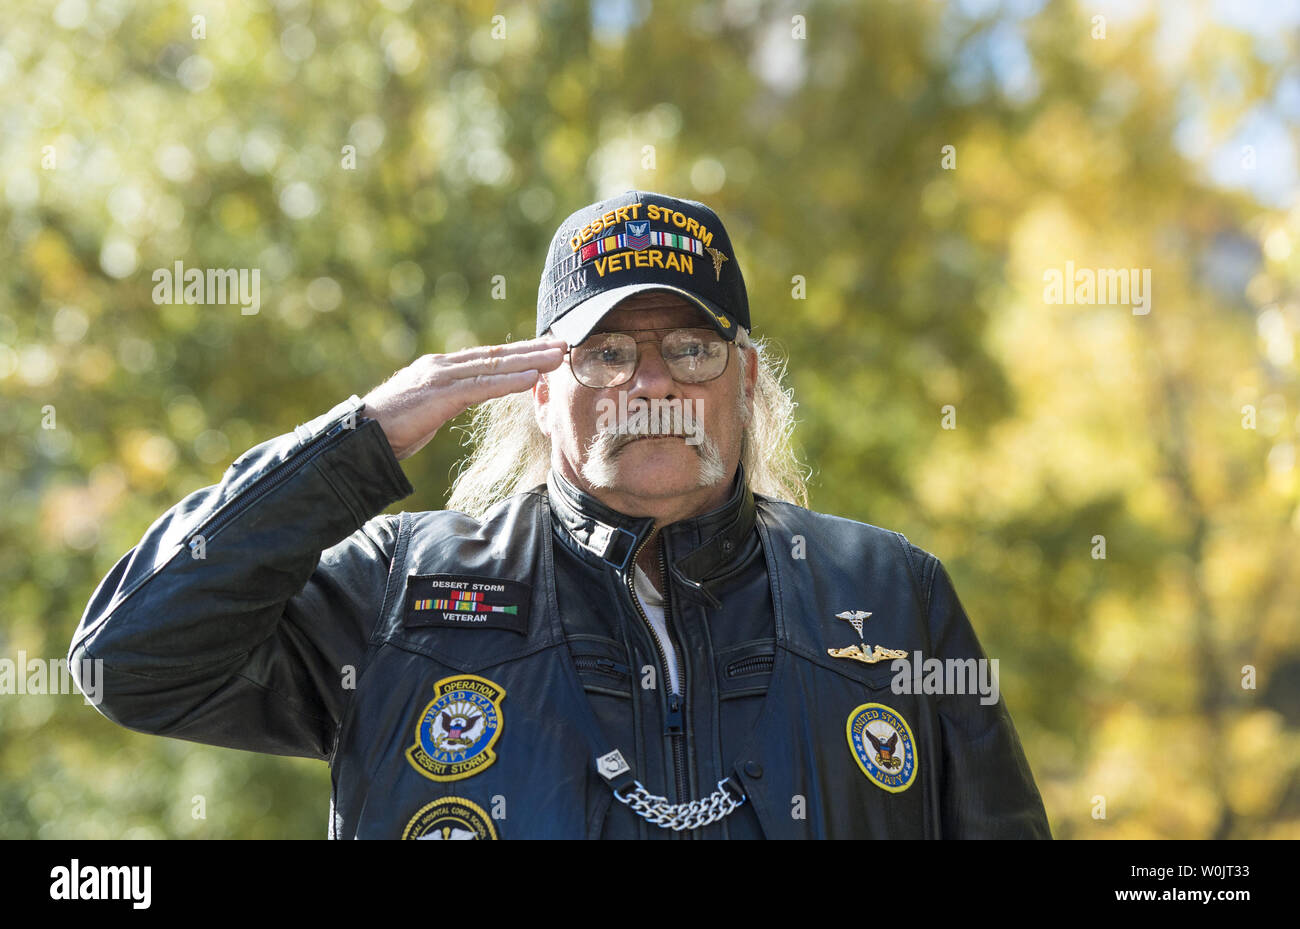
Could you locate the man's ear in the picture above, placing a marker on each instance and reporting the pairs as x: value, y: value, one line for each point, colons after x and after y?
x: 541, y: 404
x: 751, y: 374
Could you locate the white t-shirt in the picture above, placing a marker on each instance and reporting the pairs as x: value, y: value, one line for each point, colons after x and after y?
x: 653, y: 604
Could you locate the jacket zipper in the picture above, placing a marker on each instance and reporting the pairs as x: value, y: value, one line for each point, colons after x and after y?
x: 264, y: 485
x: 750, y: 665
x: 604, y: 665
x: 675, y: 701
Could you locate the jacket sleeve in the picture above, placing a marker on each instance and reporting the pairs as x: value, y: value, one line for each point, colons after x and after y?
x: 987, y: 790
x: 235, y: 619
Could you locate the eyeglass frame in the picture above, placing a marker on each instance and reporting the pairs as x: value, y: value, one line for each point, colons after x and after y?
x: 638, y: 343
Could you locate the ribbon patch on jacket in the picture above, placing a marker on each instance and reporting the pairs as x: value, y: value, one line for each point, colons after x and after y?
x: 883, y: 747
x: 467, y: 602
x: 457, y: 730
x: 450, y: 818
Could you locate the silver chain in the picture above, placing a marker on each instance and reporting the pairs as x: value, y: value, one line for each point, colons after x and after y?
x: 679, y: 816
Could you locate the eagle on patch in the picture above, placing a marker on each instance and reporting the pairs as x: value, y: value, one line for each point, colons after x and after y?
x: 885, y: 749
x: 637, y: 235
x: 456, y: 726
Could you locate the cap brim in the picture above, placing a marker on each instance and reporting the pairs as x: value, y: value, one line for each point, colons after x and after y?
x: 576, y: 325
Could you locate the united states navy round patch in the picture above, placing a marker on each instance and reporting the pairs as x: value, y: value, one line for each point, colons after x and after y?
x: 883, y: 746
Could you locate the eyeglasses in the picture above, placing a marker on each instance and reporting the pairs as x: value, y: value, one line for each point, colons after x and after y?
x: 608, y: 359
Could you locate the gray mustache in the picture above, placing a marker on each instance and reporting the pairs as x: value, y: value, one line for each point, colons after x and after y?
x: 617, y: 441
x: 675, y: 426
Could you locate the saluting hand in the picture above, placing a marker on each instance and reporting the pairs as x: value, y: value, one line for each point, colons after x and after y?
x: 413, y: 404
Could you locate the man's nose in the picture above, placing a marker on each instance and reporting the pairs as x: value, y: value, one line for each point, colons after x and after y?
x: 652, y: 377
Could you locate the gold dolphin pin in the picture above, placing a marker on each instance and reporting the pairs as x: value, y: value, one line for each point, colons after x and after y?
x: 857, y: 653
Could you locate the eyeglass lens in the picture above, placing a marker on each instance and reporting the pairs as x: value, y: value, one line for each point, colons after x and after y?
x: 607, y: 359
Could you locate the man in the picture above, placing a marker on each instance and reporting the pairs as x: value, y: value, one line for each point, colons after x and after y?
x: 618, y: 629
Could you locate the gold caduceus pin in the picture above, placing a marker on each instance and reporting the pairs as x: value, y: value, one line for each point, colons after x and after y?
x: 718, y: 259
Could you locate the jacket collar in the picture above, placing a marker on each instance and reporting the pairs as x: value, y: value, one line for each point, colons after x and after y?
x: 699, y: 547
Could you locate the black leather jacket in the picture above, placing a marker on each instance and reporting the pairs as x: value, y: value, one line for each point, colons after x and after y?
x: 275, y: 612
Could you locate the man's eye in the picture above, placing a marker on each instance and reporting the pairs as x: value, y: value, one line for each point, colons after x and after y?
x: 607, y: 355
x: 691, y: 351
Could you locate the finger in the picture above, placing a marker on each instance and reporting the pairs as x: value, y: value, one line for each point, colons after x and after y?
x: 470, y: 391
x: 504, y: 349
x: 546, y: 359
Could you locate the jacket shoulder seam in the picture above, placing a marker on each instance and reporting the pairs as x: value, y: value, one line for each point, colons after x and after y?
x: 923, y: 592
x: 929, y: 585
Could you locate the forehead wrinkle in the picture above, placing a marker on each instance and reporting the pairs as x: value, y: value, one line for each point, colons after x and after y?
x: 625, y: 317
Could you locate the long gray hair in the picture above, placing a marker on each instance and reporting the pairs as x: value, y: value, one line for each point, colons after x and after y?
x: 509, y: 453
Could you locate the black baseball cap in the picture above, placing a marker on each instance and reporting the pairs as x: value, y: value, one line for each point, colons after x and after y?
x: 631, y: 243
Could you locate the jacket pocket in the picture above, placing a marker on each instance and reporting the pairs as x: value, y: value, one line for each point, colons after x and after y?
x: 875, y: 675
x: 745, y: 669
x: 602, y: 665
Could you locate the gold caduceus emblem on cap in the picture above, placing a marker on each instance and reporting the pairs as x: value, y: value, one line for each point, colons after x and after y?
x: 718, y: 259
